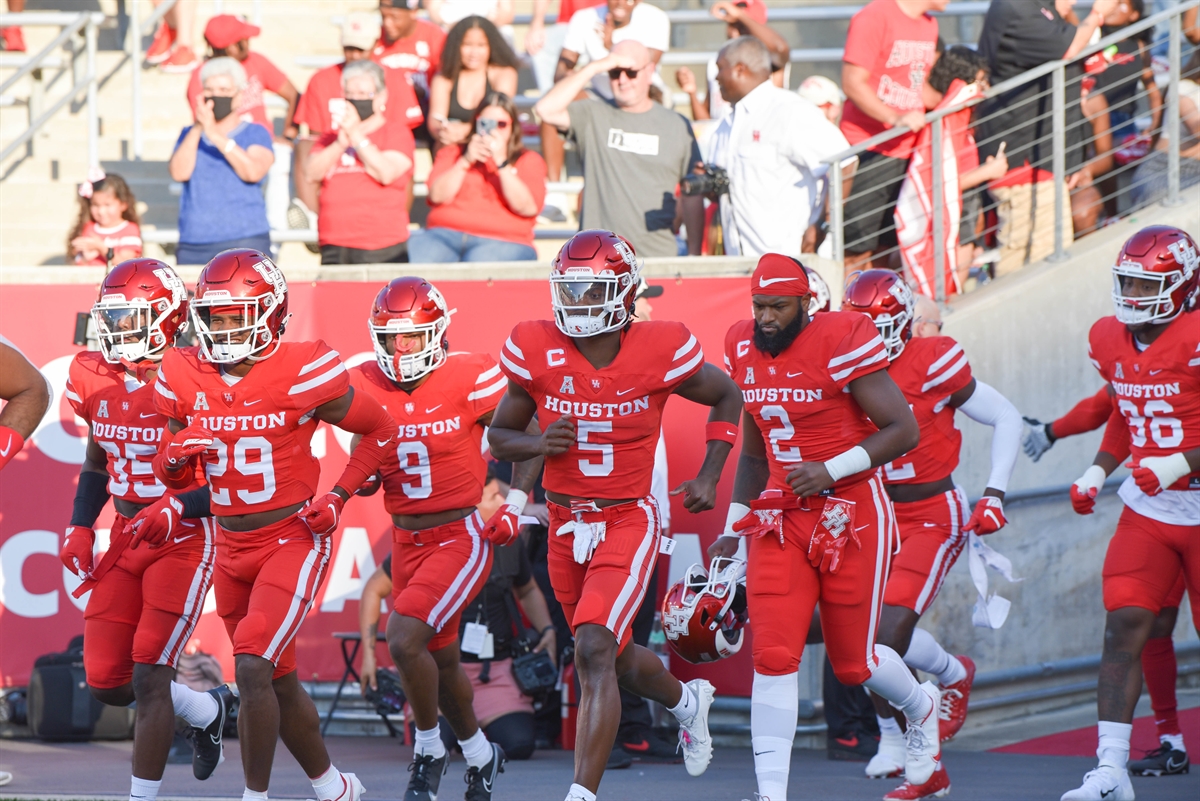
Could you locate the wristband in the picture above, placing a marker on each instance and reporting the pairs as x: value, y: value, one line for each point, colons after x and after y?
x: 1092, y: 478
x: 502, y: 166
x: 1167, y: 469
x: 736, y: 512
x: 14, y: 442
x: 517, y: 498
x: 722, y: 431
x: 542, y: 633
x: 848, y: 463
x: 362, y: 143
x: 228, y: 147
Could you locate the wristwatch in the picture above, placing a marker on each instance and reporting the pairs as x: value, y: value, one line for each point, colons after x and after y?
x: 228, y: 147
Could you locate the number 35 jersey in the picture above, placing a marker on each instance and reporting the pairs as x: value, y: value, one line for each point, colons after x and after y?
x: 438, y: 461
x: 617, y: 410
x: 262, y: 424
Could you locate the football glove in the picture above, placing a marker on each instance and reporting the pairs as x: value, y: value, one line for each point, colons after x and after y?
x: 1154, y: 474
x: 988, y: 517
x: 322, y: 514
x: 1038, y: 440
x: 1086, y: 488
x: 502, y: 527
x: 155, y: 524
x: 186, y: 445
x: 76, y: 553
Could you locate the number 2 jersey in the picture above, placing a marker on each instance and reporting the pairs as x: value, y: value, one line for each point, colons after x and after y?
x: 1157, y: 391
x: 801, y: 399
x: 617, y: 410
x: 438, y: 461
x: 262, y: 424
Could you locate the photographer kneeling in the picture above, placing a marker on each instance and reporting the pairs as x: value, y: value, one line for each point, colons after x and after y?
x: 772, y: 147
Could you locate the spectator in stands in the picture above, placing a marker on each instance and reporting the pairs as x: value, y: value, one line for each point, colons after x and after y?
x: 889, y: 50
x: 322, y: 106
x: 774, y: 156
x: 927, y: 317
x: 545, y: 44
x: 411, y: 45
x: 591, y: 34
x: 634, y: 152
x: 107, y: 222
x: 171, y: 48
x: 476, y: 62
x: 483, y: 197
x: 221, y: 160
x: 11, y: 37
x: 1150, y: 179
x: 364, y: 169
x: 741, y: 18
x: 448, y: 13
x: 825, y: 95
x: 1017, y: 36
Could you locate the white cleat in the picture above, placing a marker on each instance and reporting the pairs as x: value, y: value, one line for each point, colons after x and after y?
x: 694, y: 738
x: 1105, y: 783
x: 923, y: 748
x: 888, y: 762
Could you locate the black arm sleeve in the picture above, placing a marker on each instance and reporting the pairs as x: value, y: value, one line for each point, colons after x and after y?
x: 90, y: 498
x: 195, y: 503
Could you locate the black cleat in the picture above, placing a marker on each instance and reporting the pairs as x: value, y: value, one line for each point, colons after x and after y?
x: 427, y: 772
x: 207, y: 751
x: 618, y: 759
x: 644, y: 745
x: 481, y: 780
x: 854, y: 748
x: 1162, y: 761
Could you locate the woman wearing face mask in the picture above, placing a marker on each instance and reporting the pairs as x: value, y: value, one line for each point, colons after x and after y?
x: 475, y: 62
x: 221, y: 162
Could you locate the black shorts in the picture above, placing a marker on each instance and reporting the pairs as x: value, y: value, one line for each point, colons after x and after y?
x: 867, y: 212
x: 336, y: 254
x: 972, y: 207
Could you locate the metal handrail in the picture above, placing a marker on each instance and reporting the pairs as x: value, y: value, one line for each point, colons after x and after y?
x: 805, y: 14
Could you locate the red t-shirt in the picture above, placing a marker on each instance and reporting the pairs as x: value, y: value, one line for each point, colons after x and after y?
x: 260, y: 74
x: 899, y: 52
x: 124, y: 235
x: 323, y: 103
x: 479, y: 207
x: 357, y: 211
x: 418, y: 56
x: 568, y: 7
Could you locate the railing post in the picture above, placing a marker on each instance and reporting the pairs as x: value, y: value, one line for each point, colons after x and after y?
x: 37, y: 102
x: 1059, y: 156
x: 1171, y: 120
x: 93, y: 117
x: 939, y: 209
x: 835, y: 211
x: 135, y: 76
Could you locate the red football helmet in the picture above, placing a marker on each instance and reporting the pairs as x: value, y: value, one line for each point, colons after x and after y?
x: 248, y: 281
x: 593, y: 283
x: 142, y: 306
x: 883, y: 296
x: 821, y: 296
x: 1167, y: 257
x: 703, y: 614
x: 409, y: 305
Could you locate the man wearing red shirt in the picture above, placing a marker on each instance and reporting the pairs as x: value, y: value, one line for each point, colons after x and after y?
x: 408, y: 44
x: 890, y: 47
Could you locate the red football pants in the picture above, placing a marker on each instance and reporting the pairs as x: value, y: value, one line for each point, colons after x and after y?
x: 1144, y: 560
x: 931, y: 540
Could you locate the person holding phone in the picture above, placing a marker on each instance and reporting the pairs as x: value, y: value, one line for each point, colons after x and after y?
x: 484, y: 196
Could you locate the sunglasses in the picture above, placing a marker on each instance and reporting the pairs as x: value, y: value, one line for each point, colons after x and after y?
x: 615, y: 74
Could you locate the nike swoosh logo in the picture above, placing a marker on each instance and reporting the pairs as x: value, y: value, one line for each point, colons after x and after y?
x: 251, y: 403
x: 625, y: 391
x: 1108, y: 792
x: 769, y: 281
x: 642, y: 746
x: 7, y: 446
x: 793, y: 375
x: 152, y: 414
x: 284, y: 541
x: 382, y: 442
x: 990, y: 514
x: 760, y: 753
x: 444, y: 544
x: 929, y: 525
x: 1156, y: 372
x: 181, y: 539
x: 434, y: 409
x: 167, y: 512
x: 1173, y: 764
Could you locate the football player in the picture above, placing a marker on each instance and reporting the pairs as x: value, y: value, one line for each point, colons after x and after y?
x: 1149, y: 353
x: 932, y: 513
x: 27, y: 397
x: 598, y: 385
x: 244, y: 405
x: 441, y: 547
x: 148, y: 591
x: 821, y: 414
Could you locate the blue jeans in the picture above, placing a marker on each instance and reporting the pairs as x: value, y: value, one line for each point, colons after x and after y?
x: 203, y: 253
x: 445, y: 245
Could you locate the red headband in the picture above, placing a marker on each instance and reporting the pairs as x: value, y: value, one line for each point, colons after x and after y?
x: 779, y: 275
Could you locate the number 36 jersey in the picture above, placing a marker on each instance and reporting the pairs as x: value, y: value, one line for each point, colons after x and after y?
x: 438, y: 461
x: 617, y: 410
x: 262, y: 424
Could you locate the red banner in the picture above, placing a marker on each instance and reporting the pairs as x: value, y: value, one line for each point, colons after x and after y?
x: 38, y: 614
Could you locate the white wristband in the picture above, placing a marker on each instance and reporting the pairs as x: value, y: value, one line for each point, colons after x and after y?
x: 848, y: 463
x: 517, y: 498
x: 1093, y: 478
x: 736, y: 512
x: 1168, y: 469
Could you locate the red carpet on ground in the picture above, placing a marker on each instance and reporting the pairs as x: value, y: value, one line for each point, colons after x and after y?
x: 1082, y: 742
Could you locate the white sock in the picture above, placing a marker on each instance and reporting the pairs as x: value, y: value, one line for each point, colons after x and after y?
x: 925, y: 653
x: 429, y: 743
x: 254, y: 795
x: 774, y: 702
x: 889, y: 728
x: 1114, y: 743
x: 198, y: 709
x: 892, y: 679
x: 580, y: 793
x: 1173, y: 740
x: 143, y: 789
x: 328, y: 785
x: 687, y: 707
x: 476, y: 749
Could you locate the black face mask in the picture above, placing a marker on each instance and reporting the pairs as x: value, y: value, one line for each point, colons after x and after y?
x: 222, y: 107
x: 363, y: 107
x: 776, y: 344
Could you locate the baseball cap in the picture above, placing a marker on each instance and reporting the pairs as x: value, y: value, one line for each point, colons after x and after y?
x: 819, y: 90
x: 648, y: 290
x: 411, y: 5
x: 755, y: 9
x: 225, y: 29
x: 360, y: 30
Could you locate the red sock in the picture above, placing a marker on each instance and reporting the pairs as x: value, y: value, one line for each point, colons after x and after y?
x: 1159, y: 669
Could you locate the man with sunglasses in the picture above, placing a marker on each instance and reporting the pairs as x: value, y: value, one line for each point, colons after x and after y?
x: 634, y: 152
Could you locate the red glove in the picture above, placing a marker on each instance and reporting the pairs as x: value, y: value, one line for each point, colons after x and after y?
x: 155, y: 524
x: 13, y: 442
x: 186, y: 445
x: 322, y: 514
x: 827, y: 546
x: 988, y: 517
x: 76, y: 553
x: 765, y: 516
x: 502, y: 527
x: 1153, y: 474
x: 1086, y: 488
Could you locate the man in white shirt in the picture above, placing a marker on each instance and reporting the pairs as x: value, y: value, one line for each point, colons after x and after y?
x: 772, y: 145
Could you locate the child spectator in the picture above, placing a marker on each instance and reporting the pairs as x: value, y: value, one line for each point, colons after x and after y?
x: 475, y: 63
x: 483, y: 197
x: 411, y: 45
x: 108, y: 220
x: 824, y: 94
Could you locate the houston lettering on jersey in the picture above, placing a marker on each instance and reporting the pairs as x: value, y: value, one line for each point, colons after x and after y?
x: 1128, y: 390
x: 112, y: 431
x: 436, y: 428
x: 239, y: 422
x: 597, y: 411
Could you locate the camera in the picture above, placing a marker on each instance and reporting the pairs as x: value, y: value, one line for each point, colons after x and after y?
x: 483, y: 126
x: 714, y: 181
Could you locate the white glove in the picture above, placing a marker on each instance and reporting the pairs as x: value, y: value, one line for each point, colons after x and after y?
x: 1037, y: 441
x: 587, y: 537
x: 1166, y: 469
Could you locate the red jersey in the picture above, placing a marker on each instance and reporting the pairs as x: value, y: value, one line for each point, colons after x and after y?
x: 121, y: 415
x: 1157, y: 390
x: 261, y: 75
x: 322, y: 105
x: 617, y: 410
x: 418, y: 56
x: 567, y: 8
x: 125, y: 234
x: 438, y: 462
x: 799, y: 399
x: 262, y: 424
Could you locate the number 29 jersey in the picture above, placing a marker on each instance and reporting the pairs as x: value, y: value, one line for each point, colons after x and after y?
x: 262, y: 424
x: 617, y: 410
